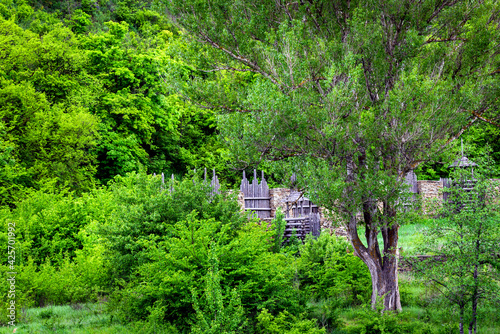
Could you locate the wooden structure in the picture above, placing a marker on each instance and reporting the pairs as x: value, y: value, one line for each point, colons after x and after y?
x: 411, y: 180
x: 446, y: 184
x: 214, y: 183
x: 301, y: 216
x: 468, y: 196
x: 256, y: 196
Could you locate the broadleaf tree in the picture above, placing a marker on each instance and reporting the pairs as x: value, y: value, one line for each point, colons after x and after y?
x: 465, y: 268
x: 350, y: 95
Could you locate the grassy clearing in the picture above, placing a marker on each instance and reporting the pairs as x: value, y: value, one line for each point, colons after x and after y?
x: 74, y: 319
x: 411, y: 236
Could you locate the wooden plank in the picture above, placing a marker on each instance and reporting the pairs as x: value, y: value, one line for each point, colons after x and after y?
x: 214, y: 184
x: 244, y: 185
x: 254, y: 190
x: 264, y: 192
x: 293, y: 219
x: 266, y: 198
x: 258, y: 209
x: 315, y: 224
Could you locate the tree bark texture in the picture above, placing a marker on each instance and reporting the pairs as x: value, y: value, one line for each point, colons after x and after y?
x: 383, y: 266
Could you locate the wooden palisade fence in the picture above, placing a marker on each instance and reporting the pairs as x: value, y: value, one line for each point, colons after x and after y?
x: 256, y: 196
x: 302, y: 216
x: 214, y: 182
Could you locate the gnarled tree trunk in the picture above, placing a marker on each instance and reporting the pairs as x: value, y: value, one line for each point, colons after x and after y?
x: 383, y: 266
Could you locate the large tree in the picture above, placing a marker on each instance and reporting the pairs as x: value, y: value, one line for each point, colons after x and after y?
x: 351, y: 95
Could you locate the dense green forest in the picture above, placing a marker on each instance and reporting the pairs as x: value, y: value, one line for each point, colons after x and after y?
x: 83, y: 97
x: 97, y: 96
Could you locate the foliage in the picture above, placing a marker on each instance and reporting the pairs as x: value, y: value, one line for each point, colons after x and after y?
x: 83, y: 101
x: 146, y: 212
x: 216, y: 318
x: 287, y: 323
x: 328, y: 269
x: 180, y: 264
x: 47, y: 135
x: 350, y: 97
x: 51, y: 226
x: 278, y: 225
x: 465, y: 268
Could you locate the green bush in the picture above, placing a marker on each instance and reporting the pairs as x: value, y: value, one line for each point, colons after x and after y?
x: 59, y: 257
x: 147, y: 212
x: 158, y: 243
x: 286, y: 323
x: 216, y: 317
x: 49, y: 225
x: 180, y: 265
x: 329, y: 270
x: 278, y: 226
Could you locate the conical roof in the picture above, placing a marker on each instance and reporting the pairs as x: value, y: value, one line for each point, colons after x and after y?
x: 462, y: 162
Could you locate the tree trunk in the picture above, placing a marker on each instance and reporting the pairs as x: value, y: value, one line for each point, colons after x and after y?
x: 383, y: 269
x: 475, y: 295
x: 385, y: 285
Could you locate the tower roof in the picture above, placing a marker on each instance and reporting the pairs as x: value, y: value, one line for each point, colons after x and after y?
x: 462, y: 162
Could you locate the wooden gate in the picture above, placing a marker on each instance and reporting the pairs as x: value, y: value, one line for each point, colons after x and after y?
x: 256, y: 195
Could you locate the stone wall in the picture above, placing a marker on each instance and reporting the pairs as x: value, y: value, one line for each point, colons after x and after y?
x: 431, y: 194
x: 278, y: 196
x: 430, y: 190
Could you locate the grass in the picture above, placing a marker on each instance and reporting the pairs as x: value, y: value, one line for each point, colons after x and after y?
x: 410, y: 236
x: 424, y: 311
x: 74, y: 319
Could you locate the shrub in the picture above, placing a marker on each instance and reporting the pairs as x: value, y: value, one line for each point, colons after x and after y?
x: 180, y: 265
x: 329, y: 270
x: 216, y: 317
x: 286, y: 323
x: 146, y: 213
